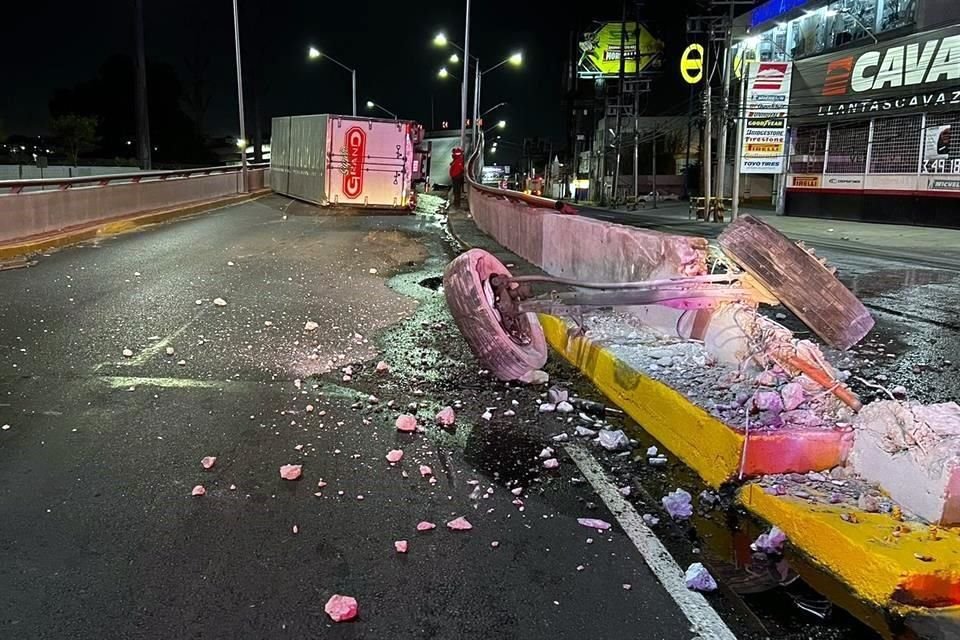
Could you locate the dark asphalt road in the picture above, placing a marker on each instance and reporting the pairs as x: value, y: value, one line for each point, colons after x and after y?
x: 100, y: 537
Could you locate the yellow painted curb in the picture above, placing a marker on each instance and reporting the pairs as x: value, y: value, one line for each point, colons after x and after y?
x: 876, y: 556
x: 116, y: 226
x: 705, y: 444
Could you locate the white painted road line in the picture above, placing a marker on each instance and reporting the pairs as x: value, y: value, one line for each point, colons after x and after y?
x: 705, y: 621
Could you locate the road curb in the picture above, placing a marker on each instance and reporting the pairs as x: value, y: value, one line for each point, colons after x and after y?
x: 875, y: 557
x: 73, y: 235
x: 711, y: 448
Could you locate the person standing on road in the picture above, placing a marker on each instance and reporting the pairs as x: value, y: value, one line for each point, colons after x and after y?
x: 456, y: 174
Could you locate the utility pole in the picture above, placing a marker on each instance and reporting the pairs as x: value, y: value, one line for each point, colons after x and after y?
x: 144, y: 157
x: 466, y: 81
x: 619, y: 134
x: 653, y: 177
x: 636, y: 107
x: 707, y: 138
x: 243, y: 130
x: 724, y: 110
x: 741, y: 114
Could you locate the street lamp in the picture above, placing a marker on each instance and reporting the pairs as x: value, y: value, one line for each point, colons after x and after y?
x: 499, y: 125
x: 454, y: 58
x: 373, y: 105
x: 315, y: 54
x: 443, y: 73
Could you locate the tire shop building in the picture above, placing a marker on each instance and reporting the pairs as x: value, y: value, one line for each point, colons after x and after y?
x: 874, y: 111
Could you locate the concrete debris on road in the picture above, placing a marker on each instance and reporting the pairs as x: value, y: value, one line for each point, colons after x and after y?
x: 406, y: 423
x: 426, y: 526
x: 547, y: 452
x: 678, y: 504
x: 425, y: 471
x: 594, y: 523
x: 697, y: 578
x: 650, y: 520
x: 546, y: 407
x: 310, y: 326
x: 560, y: 437
x: 535, y: 377
x: 556, y: 395
x: 552, y: 463
x: 614, y: 440
x: 341, y: 608
x: 770, y: 542
x: 198, y: 490
x: 382, y: 367
x: 207, y: 462
x: 459, y: 524
x: 127, y: 353
x: 220, y: 302
x: 583, y: 432
x: 400, y: 546
x: 564, y: 407
x: 446, y: 417
x: 394, y: 456
x: 291, y: 471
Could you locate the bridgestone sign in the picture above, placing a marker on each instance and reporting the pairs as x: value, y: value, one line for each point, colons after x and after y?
x: 765, y: 133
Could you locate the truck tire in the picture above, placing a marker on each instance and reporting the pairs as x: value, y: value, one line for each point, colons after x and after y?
x: 800, y: 281
x: 469, y: 298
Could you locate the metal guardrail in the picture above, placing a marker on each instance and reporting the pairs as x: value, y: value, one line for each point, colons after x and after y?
x: 62, y: 184
x: 534, y: 201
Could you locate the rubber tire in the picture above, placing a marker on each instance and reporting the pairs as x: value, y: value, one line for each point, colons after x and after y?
x: 463, y: 288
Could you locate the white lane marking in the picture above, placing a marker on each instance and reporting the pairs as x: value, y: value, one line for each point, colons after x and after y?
x: 705, y: 621
x: 142, y: 357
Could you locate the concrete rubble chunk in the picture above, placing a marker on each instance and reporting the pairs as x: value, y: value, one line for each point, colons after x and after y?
x: 310, y: 326
x: 792, y: 395
x: 556, y: 395
x: 614, y: 440
x: 697, y: 578
x: 220, y: 302
x: 546, y: 453
x: 535, y: 377
x: 564, y: 407
x: 913, y: 452
x: 560, y: 437
x: 770, y: 542
x: 446, y: 417
x: 546, y: 407
x: 341, y: 608
x: 583, y: 432
x: 552, y: 463
x: 678, y: 504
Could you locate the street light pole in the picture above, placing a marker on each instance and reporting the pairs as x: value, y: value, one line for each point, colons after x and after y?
x: 243, y: 131
x: 463, y: 89
x: 353, y: 83
x: 476, y: 100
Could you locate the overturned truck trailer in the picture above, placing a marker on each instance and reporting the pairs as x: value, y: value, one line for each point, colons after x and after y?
x: 344, y: 160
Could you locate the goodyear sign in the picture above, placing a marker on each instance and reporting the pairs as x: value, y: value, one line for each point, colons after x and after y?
x: 600, y: 51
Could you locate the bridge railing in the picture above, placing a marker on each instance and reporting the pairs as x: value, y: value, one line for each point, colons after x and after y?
x: 37, y: 207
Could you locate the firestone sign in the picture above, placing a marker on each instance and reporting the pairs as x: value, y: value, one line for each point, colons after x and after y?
x: 916, y: 73
x: 765, y: 134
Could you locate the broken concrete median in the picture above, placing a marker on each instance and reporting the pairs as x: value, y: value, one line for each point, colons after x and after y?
x: 735, y: 395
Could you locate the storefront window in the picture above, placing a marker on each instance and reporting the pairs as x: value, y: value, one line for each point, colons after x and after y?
x: 941, y: 144
x: 809, y: 145
x: 848, y: 148
x: 834, y: 25
x: 896, y: 145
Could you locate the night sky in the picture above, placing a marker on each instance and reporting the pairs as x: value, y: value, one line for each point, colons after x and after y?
x: 58, y: 44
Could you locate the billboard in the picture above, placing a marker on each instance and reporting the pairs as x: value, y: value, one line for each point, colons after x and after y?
x: 600, y: 51
x: 764, y: 141
x: 916, y: 73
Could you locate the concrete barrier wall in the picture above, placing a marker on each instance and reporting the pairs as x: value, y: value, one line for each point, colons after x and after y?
x: 582, y: 248
x: 35, y: 213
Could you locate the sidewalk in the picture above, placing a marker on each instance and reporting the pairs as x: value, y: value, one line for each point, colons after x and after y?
x: 924, y: 245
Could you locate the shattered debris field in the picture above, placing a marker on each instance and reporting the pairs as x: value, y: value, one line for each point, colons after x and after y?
x: 263, y: 422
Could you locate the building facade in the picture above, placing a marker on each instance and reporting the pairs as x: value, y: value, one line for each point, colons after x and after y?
x: 874, y: 101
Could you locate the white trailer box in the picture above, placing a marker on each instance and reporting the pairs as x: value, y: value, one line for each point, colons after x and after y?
x: 342, y: 160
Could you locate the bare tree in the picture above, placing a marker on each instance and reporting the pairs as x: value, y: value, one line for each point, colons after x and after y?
x: 76, y: 133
